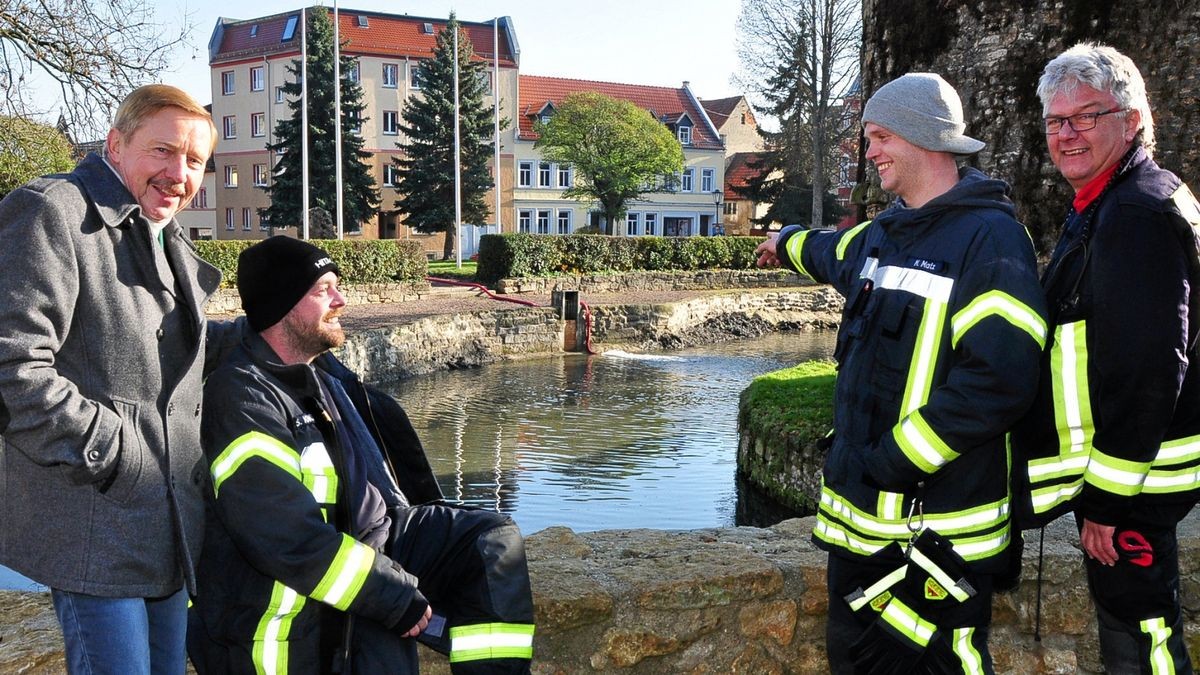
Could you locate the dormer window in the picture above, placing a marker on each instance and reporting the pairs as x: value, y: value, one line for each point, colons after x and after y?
x: 546, y: 113
x: 289, y: 30
x: 254, y: 30
x: 685, y: 135
x: 362, y: 22
x: 427, y: 28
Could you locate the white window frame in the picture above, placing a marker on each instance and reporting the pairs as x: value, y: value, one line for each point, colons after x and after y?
x: 390, y: 174
x: 391, y: 75
x: 247, y: 219
x: 229, y: 219
x: 229, y: 126
x: 687, y: 181
x: 633, y: 224
x: 543, y: 221
x: 708, y: 180
x: 280, y: 94
x: 257, y: 79
x: 228, y: 83
x: 200, y: 201
x: 685, y: 135
x: 564, y: 176
x: 562, y: 221
x: 231, y: 176
x: 650, y: 224
x: 414, y: 75
x: 354, y: 72
x: 525, y: 174
x: 525, y: 220
x: 391, y: 122
x: 258, y: 124
x: 260, y: 175
x: 544, y: 173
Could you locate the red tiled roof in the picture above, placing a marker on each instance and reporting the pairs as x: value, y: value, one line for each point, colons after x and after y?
x: 664, y: 102
x: 385, y: 35
x: 720, y: 109
x: 739, y: 172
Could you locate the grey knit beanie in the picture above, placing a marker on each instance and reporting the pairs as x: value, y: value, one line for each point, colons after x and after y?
x: 924, y: 110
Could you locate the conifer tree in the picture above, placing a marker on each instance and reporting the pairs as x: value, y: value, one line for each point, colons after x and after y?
x: 426, y: 170
x: 359, y: 194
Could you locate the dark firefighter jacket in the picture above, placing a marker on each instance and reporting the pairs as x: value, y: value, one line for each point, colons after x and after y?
x: 937, y: 357
x: 1117, y: 413
x: 276, y: 467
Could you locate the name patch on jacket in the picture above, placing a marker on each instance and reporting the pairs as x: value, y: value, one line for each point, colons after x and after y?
x: 926, y: 264
x: 302, y: 421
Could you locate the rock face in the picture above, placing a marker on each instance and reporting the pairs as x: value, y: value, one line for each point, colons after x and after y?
x: 993, y: 53
x: 728, y: 600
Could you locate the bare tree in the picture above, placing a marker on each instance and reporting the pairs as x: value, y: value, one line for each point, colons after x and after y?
x: 96, y: 51
x: 800, y: 59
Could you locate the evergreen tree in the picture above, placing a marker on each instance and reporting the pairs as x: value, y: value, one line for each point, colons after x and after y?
x: 426, y: 171
x: 360, y: 197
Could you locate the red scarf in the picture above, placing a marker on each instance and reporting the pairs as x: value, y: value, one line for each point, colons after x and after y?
x: 1093, y: 189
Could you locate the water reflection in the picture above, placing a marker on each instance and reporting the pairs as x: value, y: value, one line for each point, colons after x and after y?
x: 614, y: 441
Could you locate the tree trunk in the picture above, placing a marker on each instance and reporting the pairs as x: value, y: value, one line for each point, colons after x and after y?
x: 448, y: 246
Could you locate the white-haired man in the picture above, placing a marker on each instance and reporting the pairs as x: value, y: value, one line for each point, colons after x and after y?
x: 1114, y: 433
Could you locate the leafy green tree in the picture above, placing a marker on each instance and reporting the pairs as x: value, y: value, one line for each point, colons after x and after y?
x: 360, y: 197
x: 617, y: 149
x: 426, y: 170
x: 789, y: 201
x: 30, y: 149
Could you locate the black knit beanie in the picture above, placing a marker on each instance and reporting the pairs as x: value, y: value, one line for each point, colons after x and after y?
x: 274, y: 274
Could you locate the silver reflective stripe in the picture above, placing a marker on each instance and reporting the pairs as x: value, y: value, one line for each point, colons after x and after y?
x: 917, y: 282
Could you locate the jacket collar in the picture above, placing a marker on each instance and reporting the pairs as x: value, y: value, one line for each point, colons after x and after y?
x: 299, y: 377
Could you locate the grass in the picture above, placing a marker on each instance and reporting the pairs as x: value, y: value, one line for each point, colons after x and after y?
x: 794, y: 400
x: 448, y: 269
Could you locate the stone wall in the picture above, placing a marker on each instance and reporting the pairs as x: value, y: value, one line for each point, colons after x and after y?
x: 712, y: 601
x: 226, y: 300
x: 993, y: 51
x: 655, y: 281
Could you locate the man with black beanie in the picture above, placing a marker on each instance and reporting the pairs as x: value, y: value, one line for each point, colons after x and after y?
x: 316, y: 559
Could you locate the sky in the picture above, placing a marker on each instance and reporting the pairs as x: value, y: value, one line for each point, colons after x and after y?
x: 629, y: 41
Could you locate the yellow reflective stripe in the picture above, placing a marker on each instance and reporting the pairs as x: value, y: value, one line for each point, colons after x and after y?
x: 847, y: 237
x: 879, y: 587
x: 491, y: 641
x: 346, y: 574
x: 921, y: 445
x: 319, y: 475
x: 1072, y: 396
x: 908, y: 623
x: 1115, y: 475
x: 247, y: 446
x: 939, y: 574
x: 1161, y: 662
x: 1165, y: 481
x: 1047, y: 498
x: 964, y: 649
x: 269, y: 652
x: 794, y: 248
x: 1178, y: 451
x: 1188, y: 207
x: 1003, y: 305
x: 925, y: 352
x: 966, y: 521
x: 890, y: 505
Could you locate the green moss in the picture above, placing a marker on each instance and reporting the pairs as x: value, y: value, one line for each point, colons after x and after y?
x: 795, y: 402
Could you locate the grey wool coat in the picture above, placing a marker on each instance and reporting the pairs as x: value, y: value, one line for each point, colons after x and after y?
x: 102, y: 347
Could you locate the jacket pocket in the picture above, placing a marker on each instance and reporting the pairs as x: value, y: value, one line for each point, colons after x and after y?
x: 122, y: 486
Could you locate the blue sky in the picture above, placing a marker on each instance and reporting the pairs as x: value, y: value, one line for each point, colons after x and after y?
x: 632, y: 41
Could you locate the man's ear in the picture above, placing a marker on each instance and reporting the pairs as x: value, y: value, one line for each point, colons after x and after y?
x: 1133, y: 122
x: 113, y: 145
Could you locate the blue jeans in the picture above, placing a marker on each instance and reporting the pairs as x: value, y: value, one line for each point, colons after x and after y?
x: 137, y: 636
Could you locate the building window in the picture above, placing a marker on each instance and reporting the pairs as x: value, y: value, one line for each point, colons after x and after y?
x: 231, y: 178
x: 391, y: 122
x: 246, y: 218
x: 414, y: 75
x: 707, y: 179
x: 229, y: 219
x: 524, y: 220
x: 544, y: 174
x: 391, y: 175
x: 256, y: 79
x: 280, y: 96
x: 564, y: 177
x: 352, y: 73
x: 260, y: 175
x: 686, y: 181
x: 391, y: 75
x: 631, y: 224
x: 485, y: 81
x: 289, y: 31
x: 651, y: 223
x: 229, y: 125
x: 543, y: 221
x: 685, y: 135
x: 264, y: 222
x: 564, y: 221
x: 258, y: 124
x: 730, y: 208
x: 525, y: 174
x: 200, y: 201
x: 355, y: 123
x: 227, y: 83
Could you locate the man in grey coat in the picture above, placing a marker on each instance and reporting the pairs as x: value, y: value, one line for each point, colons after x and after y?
x: 102, y: 349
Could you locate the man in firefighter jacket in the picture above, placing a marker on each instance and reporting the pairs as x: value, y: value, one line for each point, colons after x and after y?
x: 937, y: 355
x: 314, y: 559
x: 1114, y: 433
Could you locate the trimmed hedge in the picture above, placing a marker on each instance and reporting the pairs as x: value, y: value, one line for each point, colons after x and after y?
x: 360, y: 261
x: 523, y: 255
x: 794, y: 401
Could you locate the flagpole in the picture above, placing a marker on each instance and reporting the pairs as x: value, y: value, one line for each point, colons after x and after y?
x: 337, y: 118
x: 457, y: 165
x: 304, y: 122
x: 496, y: 116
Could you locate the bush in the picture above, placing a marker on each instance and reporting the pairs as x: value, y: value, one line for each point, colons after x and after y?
x: 359, y: 261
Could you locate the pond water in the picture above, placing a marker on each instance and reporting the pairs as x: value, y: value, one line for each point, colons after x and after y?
x: 613, y: 441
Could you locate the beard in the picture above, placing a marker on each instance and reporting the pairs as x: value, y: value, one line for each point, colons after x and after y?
x: 313, y: 341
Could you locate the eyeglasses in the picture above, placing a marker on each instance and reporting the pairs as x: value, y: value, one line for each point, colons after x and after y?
x: 1080, y: 122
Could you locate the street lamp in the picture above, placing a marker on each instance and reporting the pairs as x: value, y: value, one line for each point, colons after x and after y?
x: 716, y: 227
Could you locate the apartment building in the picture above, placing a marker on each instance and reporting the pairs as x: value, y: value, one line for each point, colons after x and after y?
x: 249, y: 61
x: 689, y: 208
x: 744, y: 147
